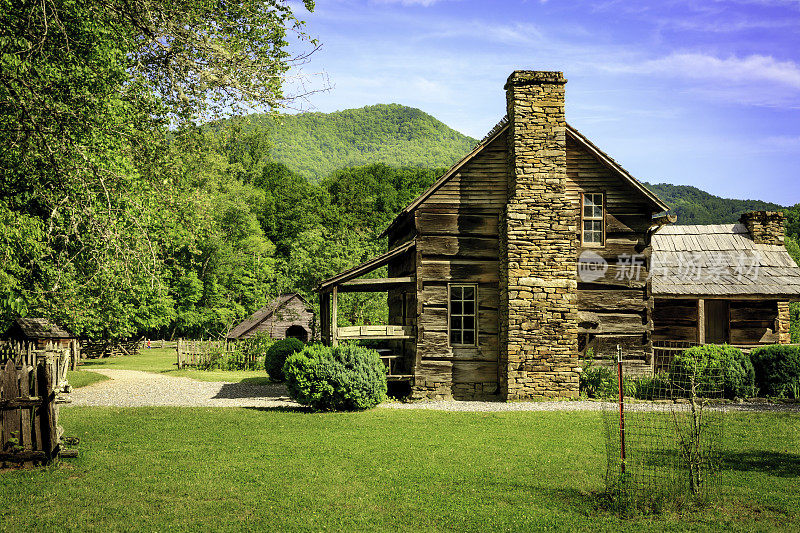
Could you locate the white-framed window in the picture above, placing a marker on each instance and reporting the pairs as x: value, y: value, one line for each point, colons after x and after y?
x: 592, y: 219
x: 463, y: 315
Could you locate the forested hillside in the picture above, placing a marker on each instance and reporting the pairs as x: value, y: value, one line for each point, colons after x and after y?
x: 693, y: 206
x: 316, y: 144
x: 119, y: 217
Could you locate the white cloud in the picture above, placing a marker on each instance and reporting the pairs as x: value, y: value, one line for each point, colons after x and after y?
x: 424, y: 3
x: 753, y: 68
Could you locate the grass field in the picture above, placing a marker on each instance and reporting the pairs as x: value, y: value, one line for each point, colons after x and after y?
x: 82, y: 378
x: 381, y: 470
x: 162, y: 360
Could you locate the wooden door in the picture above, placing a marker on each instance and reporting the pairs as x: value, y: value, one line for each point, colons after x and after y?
x: 717, y: 320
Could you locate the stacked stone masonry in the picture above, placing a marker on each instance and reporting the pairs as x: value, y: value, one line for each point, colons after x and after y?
x: 538, y: 304
x: 765, y: 227
x: 784, y: 336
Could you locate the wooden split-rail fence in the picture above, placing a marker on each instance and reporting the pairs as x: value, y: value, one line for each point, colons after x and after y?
x: 29, y: 431
x: 93, y: 350
x: 157, y: 343
x: 29, y: 354
x: 202, y: 352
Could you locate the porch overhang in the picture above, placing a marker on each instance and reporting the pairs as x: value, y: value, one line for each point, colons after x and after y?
x: 342, y: 281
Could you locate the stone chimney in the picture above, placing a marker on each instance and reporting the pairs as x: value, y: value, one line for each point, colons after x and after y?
x: 765, y: 227
x: 538, y: 269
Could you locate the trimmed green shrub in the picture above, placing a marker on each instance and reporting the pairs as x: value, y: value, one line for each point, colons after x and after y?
x: 777, y: 370
x: 718, y: 370
x: 342, y: 378
x: 277, y: 354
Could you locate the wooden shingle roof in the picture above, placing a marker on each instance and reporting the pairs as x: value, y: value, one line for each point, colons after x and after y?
x: 41, y: 328
x: 720, y: 260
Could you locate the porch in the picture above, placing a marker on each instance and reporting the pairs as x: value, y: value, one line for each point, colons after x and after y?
x: 395, y: 342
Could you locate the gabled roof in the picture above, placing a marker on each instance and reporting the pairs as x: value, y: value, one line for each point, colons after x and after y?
x: 498, y: 130
x: 41, y: 328
x: 615, y: 167
x: 265, y: 312
x: 720, y: 260
x: 365, y: 267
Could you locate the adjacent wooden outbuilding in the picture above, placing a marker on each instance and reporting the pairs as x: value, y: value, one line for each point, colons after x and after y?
x: 532, y: 250
x: 722, y: 283
x: 288, y: 315
x: 40, y: 332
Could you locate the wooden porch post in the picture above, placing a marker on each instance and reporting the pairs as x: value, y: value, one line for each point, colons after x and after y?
x: 701, y: 321
x: 324, y: 322
x: 334, y: 316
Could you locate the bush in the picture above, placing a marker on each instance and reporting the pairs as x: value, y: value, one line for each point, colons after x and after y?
x: 598, y: 381
x: 601, y: 382
x: 718, y: 370
x: 251, y: 352
x: 777, y: 370
x: 653, y: 387
x: 277, y: 354
x: 342, y: 378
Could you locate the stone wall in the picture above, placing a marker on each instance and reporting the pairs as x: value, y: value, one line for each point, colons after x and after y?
x: 783, y: 323
x: 765, y: 227
x: 538, y: 271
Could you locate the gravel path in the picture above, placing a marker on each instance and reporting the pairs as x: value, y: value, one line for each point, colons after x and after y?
x: 132, y: 388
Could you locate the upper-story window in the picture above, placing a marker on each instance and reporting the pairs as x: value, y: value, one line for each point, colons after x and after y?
x: 463, y: 314
x: 592, y: 219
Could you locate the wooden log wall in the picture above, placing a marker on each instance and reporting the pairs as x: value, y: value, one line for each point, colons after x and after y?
x: 457, y: 231
x: 675, y: 320
x: 617, y: 307
x: 29, y: 431
x: 293, y: 313
x: 754, y: 322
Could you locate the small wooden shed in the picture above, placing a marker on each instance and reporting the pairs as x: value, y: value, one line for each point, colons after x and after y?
x: 722, y: 283
x: 39, y: 331
x: 288, y: 315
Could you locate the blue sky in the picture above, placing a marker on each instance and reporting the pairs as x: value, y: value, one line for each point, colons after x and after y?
x: 705, y: 93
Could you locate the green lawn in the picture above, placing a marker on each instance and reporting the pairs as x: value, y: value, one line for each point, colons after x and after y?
x: 82, y: 378
x: 382, y: 470
x: 163, y: 360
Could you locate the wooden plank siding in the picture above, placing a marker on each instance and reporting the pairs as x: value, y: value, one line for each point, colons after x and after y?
x: 457, y: 231
x: 481, y: 183
x: 614, y: 309
x: 458, y: 234
x: 753, y: 322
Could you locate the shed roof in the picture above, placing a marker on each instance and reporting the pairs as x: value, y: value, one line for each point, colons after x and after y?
x: 41, y: 328
x: 264, y: 313
x: 720, y: 260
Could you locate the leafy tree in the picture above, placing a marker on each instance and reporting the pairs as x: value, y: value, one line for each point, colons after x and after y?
x: 86, y: 93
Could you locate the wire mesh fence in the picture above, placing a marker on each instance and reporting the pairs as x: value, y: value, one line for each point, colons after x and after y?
x: 665, y: 451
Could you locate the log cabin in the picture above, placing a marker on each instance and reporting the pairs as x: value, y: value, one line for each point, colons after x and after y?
x: 531, y: 251
x: 288, y: 315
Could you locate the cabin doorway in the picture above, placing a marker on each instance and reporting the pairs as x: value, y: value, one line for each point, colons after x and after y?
x: 717, y: 321
x: 298, y: 332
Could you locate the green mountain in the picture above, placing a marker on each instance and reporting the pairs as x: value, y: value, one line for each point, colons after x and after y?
x: 693, y: 206
x: 316, y: 144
